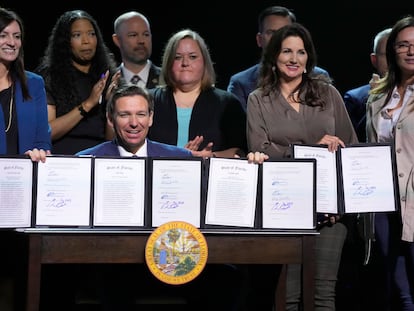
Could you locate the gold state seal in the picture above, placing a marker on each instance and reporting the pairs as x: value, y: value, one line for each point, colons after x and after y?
x: 176, y: 252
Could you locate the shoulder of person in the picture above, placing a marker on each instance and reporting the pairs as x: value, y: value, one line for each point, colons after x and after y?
x: 357, y: 91
x: 171, y: 149
x: 325, y: 87
x: 30, y: 75
x: 245, y: 73
x: 34, y: 80
x: 159, y: 92
x: 319, y: 70
x: 375, y: 97
x: 223, y: 94
x: 259, y: 92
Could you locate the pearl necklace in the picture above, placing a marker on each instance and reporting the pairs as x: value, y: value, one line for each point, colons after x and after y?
x: 10, y: 110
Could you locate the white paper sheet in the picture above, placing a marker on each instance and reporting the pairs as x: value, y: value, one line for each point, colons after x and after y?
x: 288, y: 195
x: 64, y: 191
x: 232, y: 192
x: 119, y: 192
x: 176, y: 191
x: 16, y: 178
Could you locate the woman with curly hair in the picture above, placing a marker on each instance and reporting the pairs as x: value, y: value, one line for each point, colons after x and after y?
x: 76, y: 66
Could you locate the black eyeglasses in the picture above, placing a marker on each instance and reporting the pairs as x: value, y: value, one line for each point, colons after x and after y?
x: 403, y: 47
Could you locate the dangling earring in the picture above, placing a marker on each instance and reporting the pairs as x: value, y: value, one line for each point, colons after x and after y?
x: 273, y: 68
x: 304, y: 71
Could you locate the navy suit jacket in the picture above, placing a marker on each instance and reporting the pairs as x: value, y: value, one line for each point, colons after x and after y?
x: 355, y: 102
x: 244, y: 82
x: 153, y: 76
x: 33, y: 127
x: 154, y: 149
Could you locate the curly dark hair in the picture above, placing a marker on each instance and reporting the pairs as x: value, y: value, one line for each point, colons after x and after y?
x: 16, y: 67
x: 56, y: 65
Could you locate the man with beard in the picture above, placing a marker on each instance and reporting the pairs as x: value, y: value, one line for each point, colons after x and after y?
x: 132, y: 35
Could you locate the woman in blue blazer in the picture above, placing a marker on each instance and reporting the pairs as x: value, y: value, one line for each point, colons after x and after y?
x: 24, y: 127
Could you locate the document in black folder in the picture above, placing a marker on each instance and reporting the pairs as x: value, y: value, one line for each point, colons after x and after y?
x: 356, y: 179
x: 63, y: 191
x: 289, y: 194
x: 232, y: 191
x: 16, y: 179
x: 119, y: 188
x: 176, y: 190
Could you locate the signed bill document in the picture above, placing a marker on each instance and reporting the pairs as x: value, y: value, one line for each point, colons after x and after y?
x: 119, y: 192
x: 369, y: 179
x: 176, y: 190
x: 289, y: 194
x: 16, y: 179
x: 232, y: 192
x: 64, y: 191
x: 356, y: 179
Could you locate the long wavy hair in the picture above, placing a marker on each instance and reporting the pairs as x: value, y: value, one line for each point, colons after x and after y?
x: 269, y: 77
x: 16, y: 67
x: 56, y: 65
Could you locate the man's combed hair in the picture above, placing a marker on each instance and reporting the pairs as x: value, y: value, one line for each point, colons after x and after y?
x: 128, y: 89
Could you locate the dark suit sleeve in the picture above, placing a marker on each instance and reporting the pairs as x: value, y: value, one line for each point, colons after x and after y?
x: 236, y: 88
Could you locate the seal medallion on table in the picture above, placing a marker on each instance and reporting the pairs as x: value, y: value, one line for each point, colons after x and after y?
x: 176, y: 252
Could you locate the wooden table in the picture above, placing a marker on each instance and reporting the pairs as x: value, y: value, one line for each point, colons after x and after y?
x: 65, y: 246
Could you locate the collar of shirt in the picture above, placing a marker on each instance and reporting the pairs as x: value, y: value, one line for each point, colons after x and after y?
x: 142, y: 152
x: 143, y: 74
x: 395, y: 98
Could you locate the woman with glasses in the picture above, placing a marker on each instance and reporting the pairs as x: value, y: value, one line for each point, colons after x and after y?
x: 390, y: 118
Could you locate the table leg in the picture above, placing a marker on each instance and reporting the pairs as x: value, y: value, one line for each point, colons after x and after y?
x: 34, y: 273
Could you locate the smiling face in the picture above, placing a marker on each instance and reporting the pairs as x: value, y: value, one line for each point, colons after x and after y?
x: 10, y: 42
x: 291, y: 62
x: 404, y: 51
x: 131, y: 120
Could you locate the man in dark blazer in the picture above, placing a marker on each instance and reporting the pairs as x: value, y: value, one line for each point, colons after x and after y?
x: 132, y: 35
x: 270, y: 19
x: 130, y: 113
x: 355, y: 99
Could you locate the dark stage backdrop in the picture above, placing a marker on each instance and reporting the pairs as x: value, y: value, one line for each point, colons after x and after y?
x: 342, y: 33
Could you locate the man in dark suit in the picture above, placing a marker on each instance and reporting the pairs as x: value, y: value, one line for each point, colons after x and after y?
x: 270, y: 19
x: 355, y: 99
x: 132, y: 35
x: 130, y: 113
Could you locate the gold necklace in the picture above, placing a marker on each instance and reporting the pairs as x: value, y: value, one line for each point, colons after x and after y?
x: 10, y: 110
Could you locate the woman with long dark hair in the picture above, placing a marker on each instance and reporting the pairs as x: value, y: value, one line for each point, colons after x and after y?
x: 76, y: 66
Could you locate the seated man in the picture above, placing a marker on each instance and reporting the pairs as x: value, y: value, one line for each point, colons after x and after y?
x: 130, y: 113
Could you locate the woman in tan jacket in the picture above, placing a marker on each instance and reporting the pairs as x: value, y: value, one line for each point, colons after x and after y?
x: 390, y: 118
